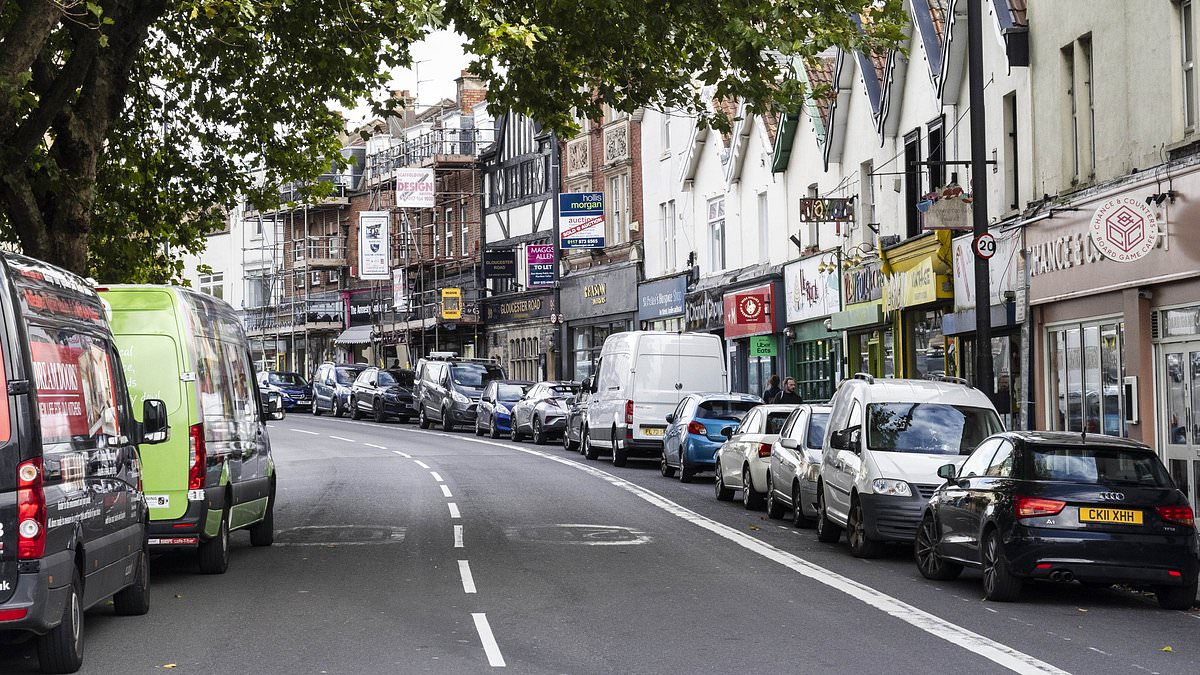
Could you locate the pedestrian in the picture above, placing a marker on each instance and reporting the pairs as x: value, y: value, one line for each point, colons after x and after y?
x: 788, y: 394
x: 772, y: 389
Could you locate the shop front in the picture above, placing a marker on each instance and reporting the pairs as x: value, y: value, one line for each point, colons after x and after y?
x: 661, y: 303
x: 868, y: 342
x: 918, y: 290
x: 751, y: 322
x: 810, y: 298
x: 520, y: 334
x: 595, y: 304
x: 1114, y: 295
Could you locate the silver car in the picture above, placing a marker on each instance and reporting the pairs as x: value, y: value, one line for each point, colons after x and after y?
x: 796, y: 464
x: 543, y: 410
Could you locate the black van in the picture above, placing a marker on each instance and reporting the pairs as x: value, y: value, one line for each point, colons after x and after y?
x: 72, y: 513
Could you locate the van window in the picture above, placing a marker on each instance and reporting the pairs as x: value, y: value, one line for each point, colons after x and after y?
x: 474, y: 374
x: 930, y: 428
x: 158, y: 376
x: 214, y: 386
x: 76, y: 392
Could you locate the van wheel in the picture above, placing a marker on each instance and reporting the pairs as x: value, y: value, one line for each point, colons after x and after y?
x: 750, y: 499
x: 377, y: 412
x: 589, y: 450
x: 724, y: 494
x: 798, y: 517
x: 620, y: 455
x: 828, y: 532
x: 61, y: 650
x: 861, y: 546
x: 447, y: 423
x: 262, y: 533
x: 214, y: 553
x: 355, y: 413
x: 316, y: 410
x: 422, y: 420
x: 775, y: 510
x: 135, y: 600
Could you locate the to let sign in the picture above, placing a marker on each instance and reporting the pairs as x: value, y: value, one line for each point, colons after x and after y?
x: 540, y: 259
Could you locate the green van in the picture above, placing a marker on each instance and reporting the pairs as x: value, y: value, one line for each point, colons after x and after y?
x: 216, y: 474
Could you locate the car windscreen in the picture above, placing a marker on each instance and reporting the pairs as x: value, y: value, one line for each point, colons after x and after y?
x: 816, y: 430
x: 724, y: 410
x: 511, y: 392
x: 388, y: 378
x: 1097, y: 465
x: 775, y: 421
x: 286, y: 380
x: 347, y: 376
x: 474, y: 374
x: 928, y: 428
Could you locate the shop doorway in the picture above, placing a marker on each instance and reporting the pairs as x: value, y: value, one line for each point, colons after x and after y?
x: 1179, y: 372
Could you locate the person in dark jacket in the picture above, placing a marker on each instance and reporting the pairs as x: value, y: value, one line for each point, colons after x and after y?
x: 788, y: 394
x: 772, y: 389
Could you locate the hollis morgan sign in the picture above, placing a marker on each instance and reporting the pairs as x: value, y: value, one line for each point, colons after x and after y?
x: 373, y: 251
x: 581, y: 220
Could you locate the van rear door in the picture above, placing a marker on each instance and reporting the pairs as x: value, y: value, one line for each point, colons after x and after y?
x: 10, y: 459
x: 667, y: 368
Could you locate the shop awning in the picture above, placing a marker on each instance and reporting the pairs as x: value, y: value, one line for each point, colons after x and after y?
x: 355, y: 335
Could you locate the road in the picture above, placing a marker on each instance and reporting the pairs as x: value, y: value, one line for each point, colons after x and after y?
x: 408, y: 551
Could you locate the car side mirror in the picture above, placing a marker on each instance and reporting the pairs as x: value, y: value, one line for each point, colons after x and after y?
x: 846, y: 439
x: 586, y: 385
x: 274, y: 407
x: 789, y: 443
x: 947, y: 471
x: 727, y: 432
x: 155, y: 428
x: 671, y: 418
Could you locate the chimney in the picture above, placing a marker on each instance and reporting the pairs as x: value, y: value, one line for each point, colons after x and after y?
x: 471, y: 91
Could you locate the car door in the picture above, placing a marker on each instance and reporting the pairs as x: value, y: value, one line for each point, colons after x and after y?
x: 525, y: 407
x: 985, y: 492
x: 784, y: 460
x: 672, y: 436
x: 732, y: 453
x: 487, y: 402
x: 844, y: 468
x: 954, y: 505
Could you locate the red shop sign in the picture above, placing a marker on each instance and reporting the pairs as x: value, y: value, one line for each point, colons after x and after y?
x: 750, y: 312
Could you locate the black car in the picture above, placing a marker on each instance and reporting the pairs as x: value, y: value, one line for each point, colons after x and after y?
x: 295, y: 391
x: 1061, y: 507
x: 383, y: 393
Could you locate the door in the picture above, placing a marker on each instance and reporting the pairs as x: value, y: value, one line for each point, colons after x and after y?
x: 784, y: 461
x: 672, y: 439
x: 955, y: 512
x: 1180, y: 375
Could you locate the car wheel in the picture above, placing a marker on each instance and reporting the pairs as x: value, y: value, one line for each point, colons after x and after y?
x: 1176, y: 597
x: 686, y: 473
x: 134, y: 600
x: 539, y: 435
x: 775, y: 510
x: 61, y: 650
x: 999, y: 583
x: 355, y: 413
x: 751, y: 500
x: 492, y: 430
x: 478, y: 429
x: 861, y: 546
x: 422, y: 420
x: 620, y: 455
x: 447, y: 423
x: 377, y: 412
x: 664, y: 469
x: 337, y: 407
x: 214, y: 553
x: 589, y: 451
x: 262, y: 533
x: 316, y: 410
x: 930, y: 562
x: 828, y: 532
x: 568, y: 444
x: 798, y: 517
x: 724, y: 494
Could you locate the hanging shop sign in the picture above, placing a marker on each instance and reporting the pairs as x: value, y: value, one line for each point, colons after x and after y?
x: 750, y: 311
x: 452, y: 304
x: 826, y: 209
x: 415, y: 189
x: 704, y: 310
x: 918, y: 285
x: 763, y: 345
x: 862, y: 284
x: 373, y: 251
x: 581, y: 220
x: 808, y: 292
x: 661, y: 299
x: 947, y: 209
x: 522, y: 308
x: 500, y: 263
x: 539, y: 259
x: 1124, y: 229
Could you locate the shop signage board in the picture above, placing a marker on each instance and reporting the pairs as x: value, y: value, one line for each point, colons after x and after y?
x: 366, y: 310
x: 581, y: 220
x: 500, y: 263
x: 415, y: 189
x: 763, y: 345
x: 1003, y: 269
x: 952, y: 211
x: 452, y: 304
x: 704, y: 310
x: 826, y: 209
x: 750, y: 311
x: 373, y: 249
x: 910, y: 288
x: 606, y: 291
x: 661, y: 299
x: 1124, y: 229
x: 808, y: 292
x: 522, y: 307
x: 862, y: 284
x: 540, y: 261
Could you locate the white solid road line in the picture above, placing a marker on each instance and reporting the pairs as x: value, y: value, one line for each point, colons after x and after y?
x: 421, y: 464
x: 453, y: 510
x: 436, y: 476
x: 339, y: 438
x: 372, y: 445
x: 445, y: 491
x: 458, y: 536
x: 302, y: 431
x: 495, y: 659
x: 405, y: 455
x: 997, y: 652
x: 464, y: 571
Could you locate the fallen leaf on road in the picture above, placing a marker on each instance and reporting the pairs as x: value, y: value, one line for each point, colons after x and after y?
x: 1081, y: 609
x: 178, y: 595
x: 755, y: 527
x: 169, y: 665
x: 1167, y: 649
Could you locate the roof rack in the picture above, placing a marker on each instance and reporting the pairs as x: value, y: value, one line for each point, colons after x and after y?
x: 866, y: 377
x: 948, y: 378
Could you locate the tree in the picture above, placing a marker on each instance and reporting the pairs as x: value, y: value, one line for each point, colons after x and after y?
x: 128, y: 128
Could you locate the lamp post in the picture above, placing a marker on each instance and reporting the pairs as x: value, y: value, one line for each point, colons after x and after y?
x: 984, y: 378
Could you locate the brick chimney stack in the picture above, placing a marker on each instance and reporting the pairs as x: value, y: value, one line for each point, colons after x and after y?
x: 471, y: 91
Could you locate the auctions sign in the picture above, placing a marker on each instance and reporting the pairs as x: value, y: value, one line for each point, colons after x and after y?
x: 581, y: 220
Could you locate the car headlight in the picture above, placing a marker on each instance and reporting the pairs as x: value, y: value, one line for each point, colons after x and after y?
x: 459, y: 398
x: 887, y: 486
x: 501, y: 408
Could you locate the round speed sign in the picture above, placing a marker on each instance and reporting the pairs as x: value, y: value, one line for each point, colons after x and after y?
x: 985, y: 246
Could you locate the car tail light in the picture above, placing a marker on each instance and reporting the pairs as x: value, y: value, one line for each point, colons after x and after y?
x: 31, y: 510
x: 1032, y: 507
x: 14, y: 614
x: 1174, y: 573
x: 697, y: 428
x: 197, y: 457
x: 764, y: 449
x: 1180, y: 515
x: 628, y: 419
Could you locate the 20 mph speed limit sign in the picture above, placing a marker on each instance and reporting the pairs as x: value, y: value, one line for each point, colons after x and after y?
x: 985, y: 246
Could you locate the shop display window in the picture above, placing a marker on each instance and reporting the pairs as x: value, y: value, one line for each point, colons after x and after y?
x: 1085, y: 370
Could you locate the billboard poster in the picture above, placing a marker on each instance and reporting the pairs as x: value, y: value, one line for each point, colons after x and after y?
x: 581, y: 220
x: 500, y: 264
x: 373, y: 250
x: 540, y: 261
x: 452, y: 307
x: 415, y: 188
x: 75, y: 391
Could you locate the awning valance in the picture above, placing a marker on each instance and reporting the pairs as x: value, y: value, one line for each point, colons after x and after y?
x: 355, y: 335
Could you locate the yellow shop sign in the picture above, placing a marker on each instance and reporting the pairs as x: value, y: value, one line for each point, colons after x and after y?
x: 918, y: 285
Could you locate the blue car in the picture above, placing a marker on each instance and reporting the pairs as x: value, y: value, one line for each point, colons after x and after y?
x: 493, y: 415
x: 295, y: 390
x: 696, y: 430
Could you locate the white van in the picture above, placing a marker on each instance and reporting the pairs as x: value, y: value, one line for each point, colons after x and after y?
x: 640, y: 378
x: 883, y: 445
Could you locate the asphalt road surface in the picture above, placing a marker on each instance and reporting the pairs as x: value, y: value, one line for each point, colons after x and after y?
x: 408, y: 551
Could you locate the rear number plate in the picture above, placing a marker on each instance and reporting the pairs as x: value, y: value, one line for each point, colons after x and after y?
x: 652, y: 431
x: 1120, y: 516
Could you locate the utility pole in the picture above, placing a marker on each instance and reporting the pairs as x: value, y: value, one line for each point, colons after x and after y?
x: 560, y: 357
x: 984, y: 377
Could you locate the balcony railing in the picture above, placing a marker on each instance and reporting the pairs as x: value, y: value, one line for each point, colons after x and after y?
x: 317, y: 252
x: 434, y: 145
x: 294, y: 191
x: 291, y: 314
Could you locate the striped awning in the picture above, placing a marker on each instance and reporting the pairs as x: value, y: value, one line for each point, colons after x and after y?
x: 355, y: 335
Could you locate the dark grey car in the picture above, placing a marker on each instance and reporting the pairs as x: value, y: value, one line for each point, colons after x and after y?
x: 448, y: 390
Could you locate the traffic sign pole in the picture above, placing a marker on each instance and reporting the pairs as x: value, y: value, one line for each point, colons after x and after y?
x: 984, y: 377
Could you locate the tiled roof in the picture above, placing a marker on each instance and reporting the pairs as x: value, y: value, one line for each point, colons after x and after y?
x: 820, y: 78
x: 1018, y: 8
x: 730, y: 108
x: 937, y: 12
x: 880, y: 63
x: 770, y: 120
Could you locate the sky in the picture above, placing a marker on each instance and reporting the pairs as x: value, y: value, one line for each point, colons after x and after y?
x: 438, y: 60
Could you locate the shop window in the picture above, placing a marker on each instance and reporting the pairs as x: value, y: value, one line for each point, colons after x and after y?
x: 1086, y: 370
x: 928, y: 345
x: 813, y: 368
x: 586, y: 342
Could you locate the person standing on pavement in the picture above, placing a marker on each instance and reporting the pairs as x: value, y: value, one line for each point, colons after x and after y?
x: 788, y: 394
x: 772, y: 389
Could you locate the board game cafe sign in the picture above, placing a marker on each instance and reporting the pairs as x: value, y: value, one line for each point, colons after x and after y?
x: 1122, y: 229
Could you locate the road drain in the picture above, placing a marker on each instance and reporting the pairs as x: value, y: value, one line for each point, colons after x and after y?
x: 339, y: 535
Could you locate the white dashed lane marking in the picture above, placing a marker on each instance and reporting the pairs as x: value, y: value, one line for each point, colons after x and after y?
x: 454, y: 510
x: 339, y: 438
x: 458, y: 536
x: 302, y: 431
x: 421, y: 464
x: 405, y: 455
x: 436, y: 476
x: 495, y: 659
x: 372, y: 445
x: 445, y: 491
x: 468, y: 581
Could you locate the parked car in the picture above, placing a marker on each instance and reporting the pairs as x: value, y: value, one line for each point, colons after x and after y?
x: 216, y: 475
x: 73, y: 518
x: 572, y: 437
x: 295, y: 391
x: 694, y: 431
x: 1061, y: 507
x: 448, y: 389
x: 796, y: 465
x: 542, y: 411
x: 640, y: 378
x: 383, y: 393
x: 494, y: 413
x: 743, y: 461
x: 883, y: 445
x: 331, y: 387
